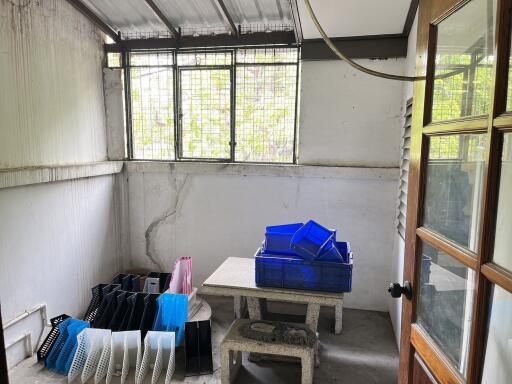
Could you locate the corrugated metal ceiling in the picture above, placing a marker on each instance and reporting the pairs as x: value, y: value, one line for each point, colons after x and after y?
x: 127, y: 16
x: 134, y: 18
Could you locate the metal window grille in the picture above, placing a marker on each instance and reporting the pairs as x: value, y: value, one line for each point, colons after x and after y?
x: 204, y: 58
x: 205, y: 114
x: 265, y: 113
x: 267, y: 55
x: 114, y: 60
x: 466, y: 93
x: 152, y: 106
x: 509, y: 91
x: 266, y: 95
x: 224, y: 105
x: 444, y: 148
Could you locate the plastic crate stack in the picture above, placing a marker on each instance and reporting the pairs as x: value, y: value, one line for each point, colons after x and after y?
x: 125, y: 330
x: 304, y: 256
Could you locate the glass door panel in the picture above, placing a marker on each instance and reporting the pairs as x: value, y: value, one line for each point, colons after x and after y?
x: 509, y: 91
x: 464, y: 62
x: 453, y: 192
x: 445, y: 303
x: 503, y: 239
x: 498, y: 353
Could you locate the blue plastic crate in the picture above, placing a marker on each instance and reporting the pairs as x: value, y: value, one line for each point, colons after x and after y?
x: 278, y: 238
x: 296, y: 273
x: 338, y: 251
x: 310, y: 240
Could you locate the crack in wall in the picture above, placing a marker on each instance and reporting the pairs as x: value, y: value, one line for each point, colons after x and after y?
x: 152, y: 229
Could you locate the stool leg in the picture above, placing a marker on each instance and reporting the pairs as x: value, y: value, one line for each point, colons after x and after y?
x: 312, y: 315
x: 225, y: 366
x: 231, y: 361
x: 308, y: 368
x: 338, y: 318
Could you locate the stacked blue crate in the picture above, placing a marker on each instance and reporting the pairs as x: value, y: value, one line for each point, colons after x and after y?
x: 304, y: 256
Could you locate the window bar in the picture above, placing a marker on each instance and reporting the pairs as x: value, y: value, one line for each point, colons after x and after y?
x: 125, y: 57
x: 296, y: 120
x: 177, y: 104
x: 232, y: 142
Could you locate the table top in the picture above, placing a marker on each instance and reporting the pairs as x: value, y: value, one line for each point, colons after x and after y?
x: 236, y: 277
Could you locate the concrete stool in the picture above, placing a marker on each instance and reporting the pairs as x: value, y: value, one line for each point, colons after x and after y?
x: 234, y: 344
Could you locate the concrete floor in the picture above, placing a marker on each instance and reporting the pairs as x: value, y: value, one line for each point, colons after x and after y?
x: 364, y: 353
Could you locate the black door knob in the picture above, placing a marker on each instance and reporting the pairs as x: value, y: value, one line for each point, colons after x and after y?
x: 396, y: 290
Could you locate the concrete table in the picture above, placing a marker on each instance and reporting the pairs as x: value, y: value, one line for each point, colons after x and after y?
x: 236, y: 277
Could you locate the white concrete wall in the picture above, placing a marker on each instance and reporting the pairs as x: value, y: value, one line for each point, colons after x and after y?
x: 397, y: 262
x: 211, y: 212
x: 56, y: 239
x: 348, y: 118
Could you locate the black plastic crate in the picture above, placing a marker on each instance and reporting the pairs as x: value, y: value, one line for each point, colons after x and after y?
x: 106, y: 310
x: 165, y: 279
x: 128, y: 282
x: 133, y: 317
x: 98, y: 293
x: 51, y: 338
x: 149, y: 314
x: 198, y: 348
x: 119, y: 312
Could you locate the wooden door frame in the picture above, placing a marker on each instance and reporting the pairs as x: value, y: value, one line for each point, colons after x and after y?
x: 430, y: 13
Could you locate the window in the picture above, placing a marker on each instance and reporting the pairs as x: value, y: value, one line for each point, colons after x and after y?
x: 152, y: 106
x: 230, y: 105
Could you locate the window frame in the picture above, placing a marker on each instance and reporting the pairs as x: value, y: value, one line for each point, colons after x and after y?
x: 178, y: 143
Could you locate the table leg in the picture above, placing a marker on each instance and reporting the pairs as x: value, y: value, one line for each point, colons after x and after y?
x: 240, y: 307
x: 254, y: 307
x: 312, y: 315
x: 338, y: 318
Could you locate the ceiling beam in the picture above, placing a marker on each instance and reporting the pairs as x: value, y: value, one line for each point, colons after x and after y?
x: 228, y: 17
x: 297, y: 27
x: 82, y: 8
x: 252, y: 39
x: 357, y: 47
x: 411, y: 14
x: 163, y: 18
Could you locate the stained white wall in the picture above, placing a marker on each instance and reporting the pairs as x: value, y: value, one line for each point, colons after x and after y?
x: 397, y: 261
x: 51, y: 94
x: 57, y: 239
x: 348, y: 118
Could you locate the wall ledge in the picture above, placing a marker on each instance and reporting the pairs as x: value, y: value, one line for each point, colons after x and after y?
x: 15, y: 177
x: 276, y: 170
